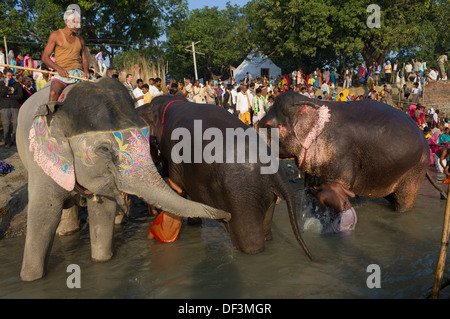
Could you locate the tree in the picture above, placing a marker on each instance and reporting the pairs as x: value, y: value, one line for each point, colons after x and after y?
x: 110, y: 25
x: 223, y: 36
x: 326, y: 31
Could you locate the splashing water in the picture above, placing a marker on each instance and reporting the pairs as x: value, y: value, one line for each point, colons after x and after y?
x: 313, y: 219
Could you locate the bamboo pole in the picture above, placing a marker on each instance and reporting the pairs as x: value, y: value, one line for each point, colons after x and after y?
x: 443, y: 253
x: 42, y: 71
x: 6, y: 51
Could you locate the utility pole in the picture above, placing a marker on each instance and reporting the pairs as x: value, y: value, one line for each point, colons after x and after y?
x: 192, y: 46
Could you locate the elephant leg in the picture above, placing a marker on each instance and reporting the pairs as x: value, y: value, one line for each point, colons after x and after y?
x: 246, y: 229
x: 268, y: 220
x: 119, y: 219
x: 102, y: 213
x: 44, y: 213
x: 70, y: 223
x: 406, y: 193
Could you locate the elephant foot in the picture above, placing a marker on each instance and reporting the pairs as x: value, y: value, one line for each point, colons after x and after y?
x: 69, y: 223
x: 101, y: 259
x: 120, y: 219
x: 268, y: 236
x: 30, y: 275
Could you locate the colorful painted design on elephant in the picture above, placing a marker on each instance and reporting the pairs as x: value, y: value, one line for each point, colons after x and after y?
x: 83, y: 152
x: 51, y: 152
x: 131, y: 154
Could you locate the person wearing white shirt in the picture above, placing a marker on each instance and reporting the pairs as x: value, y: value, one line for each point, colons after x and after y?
x: 243, y: 104
x: 259, y: 107
x: 153, y: 89
x: 408, y: 70
x: 139, y: 94
x: 2, y: 59
x: 189, y: 92
x: 101, y: 65
x: 325, y: 88
x: 433, y: 75
x: 233, y: 97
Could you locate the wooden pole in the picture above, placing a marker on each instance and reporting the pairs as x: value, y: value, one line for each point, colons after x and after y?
x: 42, y: 71
x: 6, y: 51
x: 444, y: 243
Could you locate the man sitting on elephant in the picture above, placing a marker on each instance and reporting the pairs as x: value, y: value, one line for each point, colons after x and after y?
x: 336, y: 196
x: 69, y: 52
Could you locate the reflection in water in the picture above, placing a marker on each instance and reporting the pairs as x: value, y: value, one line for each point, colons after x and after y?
x: 203, y: 263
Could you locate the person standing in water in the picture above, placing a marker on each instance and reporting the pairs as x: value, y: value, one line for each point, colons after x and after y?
x: 69, y: 52
x: 336, y: 196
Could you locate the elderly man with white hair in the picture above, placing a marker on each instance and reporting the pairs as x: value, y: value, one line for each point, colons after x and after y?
x: 69, y: 53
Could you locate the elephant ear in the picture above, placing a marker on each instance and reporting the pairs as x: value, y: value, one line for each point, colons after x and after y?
x: 309, y: 122
x: 51, y: 148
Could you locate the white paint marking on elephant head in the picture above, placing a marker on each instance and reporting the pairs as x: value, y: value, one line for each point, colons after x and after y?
x: 323, y: 116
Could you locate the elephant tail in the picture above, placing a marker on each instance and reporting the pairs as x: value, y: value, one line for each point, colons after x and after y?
x: 432, y: 181
x: 288, y: 194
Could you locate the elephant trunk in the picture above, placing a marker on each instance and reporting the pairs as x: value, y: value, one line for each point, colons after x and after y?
x: 154, y: 190
x: 288, y: 195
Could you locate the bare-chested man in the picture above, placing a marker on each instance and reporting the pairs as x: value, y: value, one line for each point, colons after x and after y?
x: 335, y: 195
x: 70, y: 53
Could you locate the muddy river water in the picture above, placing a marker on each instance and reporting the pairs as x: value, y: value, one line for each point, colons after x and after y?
x: 402, y: 249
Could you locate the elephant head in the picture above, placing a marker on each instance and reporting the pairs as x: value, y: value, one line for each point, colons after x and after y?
x: 96, y: 141
x: 300, y: 121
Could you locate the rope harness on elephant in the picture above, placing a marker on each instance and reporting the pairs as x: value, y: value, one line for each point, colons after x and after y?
x: 164, y: 114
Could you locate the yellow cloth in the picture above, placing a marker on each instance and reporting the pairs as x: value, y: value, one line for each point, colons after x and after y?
x: 40, y: 83
x: 147, y: 98
x: 245, y: 118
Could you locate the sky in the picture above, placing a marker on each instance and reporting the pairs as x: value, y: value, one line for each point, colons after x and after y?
x: 221, y: 4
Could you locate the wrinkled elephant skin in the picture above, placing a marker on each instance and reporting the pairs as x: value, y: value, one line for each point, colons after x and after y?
x: 376, y: 149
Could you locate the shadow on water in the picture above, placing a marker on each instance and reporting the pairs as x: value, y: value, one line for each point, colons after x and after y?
x: 15, y: 205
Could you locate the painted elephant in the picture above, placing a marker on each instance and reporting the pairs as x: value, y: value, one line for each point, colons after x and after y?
x: 376, y: 149
x: 204, y: 152
x: 93, y: 145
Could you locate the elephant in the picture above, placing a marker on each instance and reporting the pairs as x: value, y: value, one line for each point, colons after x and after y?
x: 91, y: 146
x: 376, y: 149
x: 225, y: 181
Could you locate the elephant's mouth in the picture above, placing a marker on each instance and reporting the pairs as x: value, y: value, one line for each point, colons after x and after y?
x: 82, y: 190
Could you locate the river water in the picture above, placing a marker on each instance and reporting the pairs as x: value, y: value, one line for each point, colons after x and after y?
x: 203, y: 263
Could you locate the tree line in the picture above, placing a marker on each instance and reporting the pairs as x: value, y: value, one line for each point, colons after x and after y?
x: 292, y: 33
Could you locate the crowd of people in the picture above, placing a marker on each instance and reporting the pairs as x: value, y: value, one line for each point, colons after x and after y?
x: 249, y: 98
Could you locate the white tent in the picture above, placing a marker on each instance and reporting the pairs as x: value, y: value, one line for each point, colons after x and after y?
x: 257, y: 65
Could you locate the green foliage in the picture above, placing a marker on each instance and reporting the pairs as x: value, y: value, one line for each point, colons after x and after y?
x: 223, y: 36
x: 111, y: 25
x: 323, y: 31
x: 293, y: 33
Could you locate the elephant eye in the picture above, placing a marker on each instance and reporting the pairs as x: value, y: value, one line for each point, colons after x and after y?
x: 103, y: 149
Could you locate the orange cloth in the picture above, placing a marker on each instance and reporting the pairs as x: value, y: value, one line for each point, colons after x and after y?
x: 447, y: 180
x: 166, y: 227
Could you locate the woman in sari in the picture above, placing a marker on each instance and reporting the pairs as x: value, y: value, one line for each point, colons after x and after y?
x: 434, y: 146
x: 12, y: 60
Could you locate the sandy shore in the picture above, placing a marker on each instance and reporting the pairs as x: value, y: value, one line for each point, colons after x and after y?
x: 13, y: 195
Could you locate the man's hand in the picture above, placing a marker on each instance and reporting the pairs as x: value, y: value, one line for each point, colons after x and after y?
x: 62, y: 72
